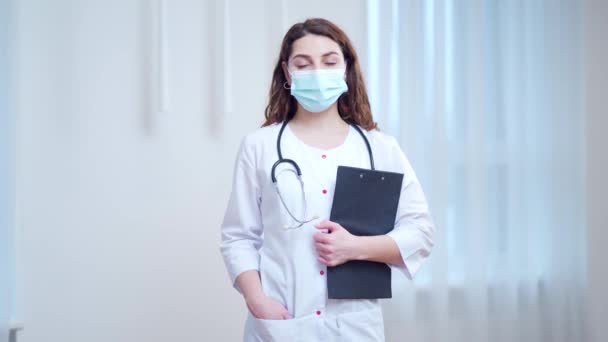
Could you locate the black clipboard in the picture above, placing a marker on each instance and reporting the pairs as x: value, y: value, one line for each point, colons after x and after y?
x: 365, y: 203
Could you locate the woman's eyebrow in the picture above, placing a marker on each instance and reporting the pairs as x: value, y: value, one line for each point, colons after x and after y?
x: 309, y: 58
x: 329, y: 53
x: 301, y: 56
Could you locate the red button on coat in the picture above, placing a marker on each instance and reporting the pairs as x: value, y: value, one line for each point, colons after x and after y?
x: 324, y: 191
x: 322, y: 272
x: 318, y: 312
x: 323, y: 156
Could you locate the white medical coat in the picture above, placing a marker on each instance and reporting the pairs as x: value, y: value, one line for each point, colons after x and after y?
x: 253, y: 235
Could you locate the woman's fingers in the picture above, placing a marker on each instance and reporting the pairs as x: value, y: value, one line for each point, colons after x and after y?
x: 324, y: 261
x: 324, y: 248
x: 321, y: 260
x: 284, y: 313
x: 329, y: 225
x: 269, y: 308
x: 322, y: 238
x: 326, y: 254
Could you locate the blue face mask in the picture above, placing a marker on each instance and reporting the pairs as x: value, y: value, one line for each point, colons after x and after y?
x: 318, y: 89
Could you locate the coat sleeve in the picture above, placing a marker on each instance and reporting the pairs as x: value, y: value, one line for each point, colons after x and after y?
x: 241, y: 229
x: 414, y: 228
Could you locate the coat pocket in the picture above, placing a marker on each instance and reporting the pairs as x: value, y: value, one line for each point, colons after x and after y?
x: 274, y: 330
x: 362, y: 326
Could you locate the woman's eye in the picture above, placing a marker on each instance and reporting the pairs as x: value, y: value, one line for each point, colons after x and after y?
x: 301, y: 66
x: 331, y: 63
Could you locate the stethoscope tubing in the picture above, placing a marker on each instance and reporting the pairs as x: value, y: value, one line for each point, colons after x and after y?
x: 299, y: 171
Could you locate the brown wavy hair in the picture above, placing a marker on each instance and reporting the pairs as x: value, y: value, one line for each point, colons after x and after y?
x: 353, y: 105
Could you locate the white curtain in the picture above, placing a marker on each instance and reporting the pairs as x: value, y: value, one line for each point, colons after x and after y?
x: 485, y: 97
x: 7, y: 270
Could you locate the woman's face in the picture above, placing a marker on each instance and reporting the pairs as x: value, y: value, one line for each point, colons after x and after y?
x: 314, y: 52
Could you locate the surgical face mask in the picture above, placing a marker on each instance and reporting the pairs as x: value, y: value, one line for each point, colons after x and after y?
x: 317, y: 89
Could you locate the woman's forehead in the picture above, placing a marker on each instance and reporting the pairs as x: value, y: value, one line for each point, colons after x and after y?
x: 315, y: 46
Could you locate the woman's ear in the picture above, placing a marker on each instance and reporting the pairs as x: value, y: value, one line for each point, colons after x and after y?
x: 286, y: 72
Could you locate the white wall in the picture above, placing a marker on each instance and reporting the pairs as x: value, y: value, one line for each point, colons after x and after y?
x: 119, y: 205
x: 596, y: 51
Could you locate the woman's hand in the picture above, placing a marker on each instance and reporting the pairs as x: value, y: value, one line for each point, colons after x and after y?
x: 337, y: 246
x: 264, y: 307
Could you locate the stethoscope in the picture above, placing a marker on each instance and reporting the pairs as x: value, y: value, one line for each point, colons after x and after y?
x: 298, y: 172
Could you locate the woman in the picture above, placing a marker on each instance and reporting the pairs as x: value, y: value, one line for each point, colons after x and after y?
x: 275, y: 244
